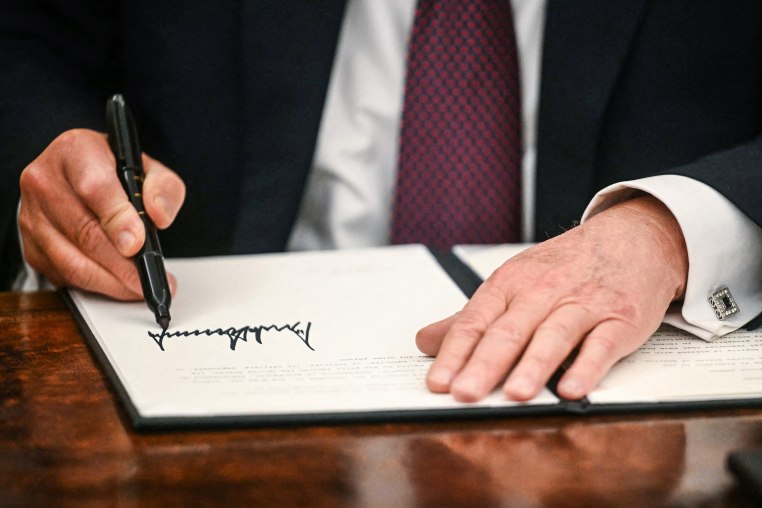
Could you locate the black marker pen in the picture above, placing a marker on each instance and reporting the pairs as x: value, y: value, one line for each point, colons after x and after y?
x: 123, y: 139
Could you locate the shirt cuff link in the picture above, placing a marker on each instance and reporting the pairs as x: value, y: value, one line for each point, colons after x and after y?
x: 723, y: 304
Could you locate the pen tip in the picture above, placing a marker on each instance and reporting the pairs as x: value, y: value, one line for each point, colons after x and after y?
x: 163, y: 322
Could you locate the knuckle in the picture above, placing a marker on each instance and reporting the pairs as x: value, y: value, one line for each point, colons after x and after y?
x: 68, y: 138
x: 487, y: 364
x: 555, y: 329
x: 503, y: 275
x: 627, y: 310
x: 607, y: 304
x: 605, y: 344
x: 508, y: 334
x: 492, y: 290
x: 551, y: 280
x: 536, y: 362
x: 470, y: 323
x: 92, y: 184
x: 25, y: 222
x: 33, y: 178
x: 89, y: 235
x: 71, y: 140
x: 73, y: 271
x: 116, y: 215
x: 66, y: 144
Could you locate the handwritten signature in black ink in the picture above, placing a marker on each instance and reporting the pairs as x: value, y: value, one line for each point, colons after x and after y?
x: 236, y: 334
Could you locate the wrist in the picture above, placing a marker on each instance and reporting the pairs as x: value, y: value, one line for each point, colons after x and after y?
x: 651, y: 225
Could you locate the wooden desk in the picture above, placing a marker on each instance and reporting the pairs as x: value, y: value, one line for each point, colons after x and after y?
x: 64, y: 441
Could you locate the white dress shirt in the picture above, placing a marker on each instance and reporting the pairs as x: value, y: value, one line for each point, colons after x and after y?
x: 349, y: 195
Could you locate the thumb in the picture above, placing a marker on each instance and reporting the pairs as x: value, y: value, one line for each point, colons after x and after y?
x: 429, y: 338
x: 163, y: 192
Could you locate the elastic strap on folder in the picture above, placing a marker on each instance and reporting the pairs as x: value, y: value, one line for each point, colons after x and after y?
x: 465, y: 278
x: 754, y: 323
x: 574, y: 406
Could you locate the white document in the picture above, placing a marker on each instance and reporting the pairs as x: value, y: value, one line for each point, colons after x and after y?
x: 299, y: 333
x: 676, y: 366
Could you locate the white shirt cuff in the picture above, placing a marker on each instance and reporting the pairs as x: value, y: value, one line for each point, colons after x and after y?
x: 724, y: 250
x: 28, y: 279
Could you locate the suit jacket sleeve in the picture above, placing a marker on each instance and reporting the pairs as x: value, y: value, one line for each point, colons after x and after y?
x: 57, y: 63
x: 736, y: 173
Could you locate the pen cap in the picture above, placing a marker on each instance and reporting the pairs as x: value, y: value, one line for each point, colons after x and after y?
x: 122, y: 134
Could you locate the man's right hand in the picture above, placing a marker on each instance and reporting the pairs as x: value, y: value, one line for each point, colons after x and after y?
x: 78, y: 227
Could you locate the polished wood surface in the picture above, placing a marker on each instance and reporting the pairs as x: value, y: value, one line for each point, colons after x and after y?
x: 64, y: 441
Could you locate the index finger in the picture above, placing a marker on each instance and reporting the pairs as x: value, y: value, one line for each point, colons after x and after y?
x: 91, y: 172
x: 468, y: 327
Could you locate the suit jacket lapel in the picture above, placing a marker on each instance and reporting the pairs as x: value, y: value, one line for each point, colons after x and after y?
x: 586, y: 43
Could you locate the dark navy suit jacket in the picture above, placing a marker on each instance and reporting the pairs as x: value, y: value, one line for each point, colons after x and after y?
x: 230, y: 94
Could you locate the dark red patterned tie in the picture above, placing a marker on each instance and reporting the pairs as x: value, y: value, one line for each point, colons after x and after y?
x: 459, y: 174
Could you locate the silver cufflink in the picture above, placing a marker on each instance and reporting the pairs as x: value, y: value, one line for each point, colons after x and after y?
x: 723, y: 303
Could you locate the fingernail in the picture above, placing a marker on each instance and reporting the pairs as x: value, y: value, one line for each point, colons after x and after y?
x: 571, y: 387
x: 440, y: 378
x: 125, y: 241
x: 521, y: 387
x: 466, y: 390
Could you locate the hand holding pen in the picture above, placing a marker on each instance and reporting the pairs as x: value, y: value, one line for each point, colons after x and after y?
x: 123, y: 140
x: 76, y: 224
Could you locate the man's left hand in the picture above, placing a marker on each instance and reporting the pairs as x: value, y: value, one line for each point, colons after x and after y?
x: 601, y: 289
